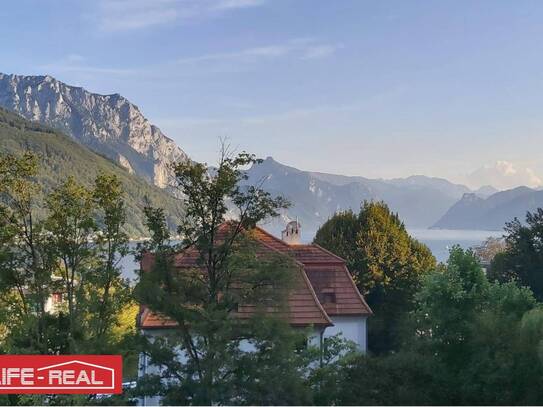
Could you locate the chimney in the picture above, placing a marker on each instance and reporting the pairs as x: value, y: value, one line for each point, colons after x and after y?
x: 292, y: 233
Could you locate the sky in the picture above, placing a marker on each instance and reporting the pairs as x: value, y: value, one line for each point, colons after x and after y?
x: 380, y: 89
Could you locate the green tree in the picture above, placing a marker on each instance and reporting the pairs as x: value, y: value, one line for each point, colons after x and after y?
x: 467, y: 342
x: 25, y: 266
x: 522, y: 260
x: 73, y: 251
x: 71, y: 228
x: 109, y: 294
x: 202, y: 360
x: 85, y: 229
x: 486, y: 336
x: 404, y: 378
x: 386, y: 264
x: 447, y: 304
x: 85, y: 236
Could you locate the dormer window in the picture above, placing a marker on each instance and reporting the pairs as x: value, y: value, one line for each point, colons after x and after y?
x: 328, y: 296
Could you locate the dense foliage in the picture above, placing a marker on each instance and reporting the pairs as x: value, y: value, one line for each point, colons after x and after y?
x: 522, y: 259
x: 386, y: 264
x: 61, y: 289
x: 61, y: 157
x: 468, y: 342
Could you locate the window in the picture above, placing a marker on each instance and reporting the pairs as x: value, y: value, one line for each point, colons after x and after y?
x: 328, y: 296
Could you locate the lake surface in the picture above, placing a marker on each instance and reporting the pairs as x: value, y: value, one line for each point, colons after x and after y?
x: 129, y: 265
x: 438, y: 240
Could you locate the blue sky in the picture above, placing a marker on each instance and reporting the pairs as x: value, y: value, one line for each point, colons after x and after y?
x: 373, y: 88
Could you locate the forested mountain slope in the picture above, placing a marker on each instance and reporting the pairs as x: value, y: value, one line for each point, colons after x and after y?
x: 60, y: 157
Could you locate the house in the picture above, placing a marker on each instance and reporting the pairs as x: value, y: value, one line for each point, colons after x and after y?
x: 325, y: 298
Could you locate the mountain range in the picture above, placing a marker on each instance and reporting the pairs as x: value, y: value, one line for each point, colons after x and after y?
x: 116, y: 129
x: 420, y: 201
x: 108, y: 124
x: 491, y: 213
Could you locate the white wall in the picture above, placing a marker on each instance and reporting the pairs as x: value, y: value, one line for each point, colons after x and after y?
x: 352, y: 328
x: 145, y: 367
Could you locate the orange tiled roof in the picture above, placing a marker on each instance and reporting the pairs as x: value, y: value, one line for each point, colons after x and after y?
x: 150, y: 320
x: 323, y: 288
x: 328, y: 274
x: 304, y: 308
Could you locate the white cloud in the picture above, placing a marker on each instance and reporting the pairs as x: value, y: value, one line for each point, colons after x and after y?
x: 300, y: 115
x: 75, y: 63
x: 297, y: 48
x: 74, y: 58
x: 504, y: 175
x: 319, y: 51
x: 232, y: 4
x: 123, y: 15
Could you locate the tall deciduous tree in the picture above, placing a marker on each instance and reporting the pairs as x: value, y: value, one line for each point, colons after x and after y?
x: 385, y: 261
x: 70, y: 256
x: 71, y: 228
x: 86, y: 237
x: 522, y: 260
x: 25, y: 266
x: 202, y: 360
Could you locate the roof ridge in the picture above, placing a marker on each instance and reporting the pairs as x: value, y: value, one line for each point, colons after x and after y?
x: 299, y: 263
x: 360, y: 296
x: 272, y: 236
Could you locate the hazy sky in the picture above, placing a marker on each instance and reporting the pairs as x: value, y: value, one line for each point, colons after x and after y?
x: 374, y: 88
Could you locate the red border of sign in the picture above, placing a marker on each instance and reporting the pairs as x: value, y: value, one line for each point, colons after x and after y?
x: 107, y: 366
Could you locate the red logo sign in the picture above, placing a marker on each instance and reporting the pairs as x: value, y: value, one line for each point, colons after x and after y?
x: 66, y: 374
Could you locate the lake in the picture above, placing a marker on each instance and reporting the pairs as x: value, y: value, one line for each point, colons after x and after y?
x: 438, y: 240
x: 441, y: 240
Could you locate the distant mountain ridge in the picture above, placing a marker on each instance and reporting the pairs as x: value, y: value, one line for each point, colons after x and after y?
x: 108, y: 124
x: 486, y: 190
x: 420, y: 201
x: 492, y: 213
x: 413, y: 181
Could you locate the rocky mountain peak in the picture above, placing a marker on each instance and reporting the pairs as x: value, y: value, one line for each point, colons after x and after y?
x: 108, y: 124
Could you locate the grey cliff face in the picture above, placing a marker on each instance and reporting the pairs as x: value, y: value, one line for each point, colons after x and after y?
x: 109, y: 124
